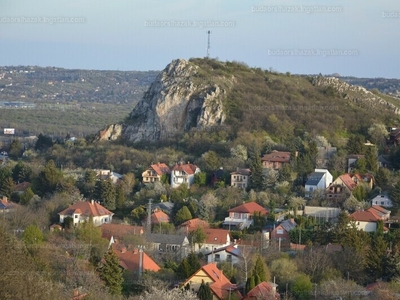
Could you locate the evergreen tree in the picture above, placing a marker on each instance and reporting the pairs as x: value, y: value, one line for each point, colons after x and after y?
x: 105, y: 192
x: 21, y: 172
x: 15, y: 149
x: 382, y: 177
x: 356, y: 145
x: 193, y: 263
x: 256, y: 177
x: 371, y: 158
x: 111, y: 273
x: 184, y: 269
x: 250, y: 284
x: 204, y: 292
x: 285, y: 173
x: 43, y: 142
x: 48, y: 179
x: 120, y: 196
x: 260, y: 269
x: 183, y: 215
x: 7, y: 187
x: 200, y: 178
x: 395, y: 194
x: 32, y: 235
x: 361, y: 166
x: 26, y: 196
x: 376, y: 257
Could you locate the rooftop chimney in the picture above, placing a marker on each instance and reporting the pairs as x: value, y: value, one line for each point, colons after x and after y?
x: 92, y: 201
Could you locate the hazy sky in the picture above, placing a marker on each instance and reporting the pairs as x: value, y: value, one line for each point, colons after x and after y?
x: 357, y: 37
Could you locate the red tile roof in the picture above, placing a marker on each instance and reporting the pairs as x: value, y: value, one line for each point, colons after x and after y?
x: 160, y: 168
x: 277, y: 156
x: 130, y: 260
x: 365, y: 216
x: 189, y: 169
x: 216, y: 236
x: 159, y: 217
x: 193, y: 224
x: 87, y: 208
x: 263, y: 290
x: 22, y: 187
x: 5, y: 204
x: 119, y: 230
x: 249, y: 207
x: 220, y: 285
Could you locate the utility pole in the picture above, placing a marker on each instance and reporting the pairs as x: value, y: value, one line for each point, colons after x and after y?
x: 208, y: 44
x: 148, y: 225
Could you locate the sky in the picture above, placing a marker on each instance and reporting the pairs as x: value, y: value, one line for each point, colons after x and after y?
x: 352, y: 38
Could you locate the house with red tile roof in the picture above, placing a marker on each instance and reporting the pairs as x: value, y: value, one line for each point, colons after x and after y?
x: 159, y: 217
x: 6, y: 205
x: 183, y: 174
x: 264, y: 290
x: 240, y: 178
x: 231, y: 253
x: 220, y: 286
x: 83, y: 211
x: 193, y: 224
x: 368, y: 219
x: 275, y: 160
x: 215, y: 238
x: 155, y: 172
x: 242, y: 216
x: 134, y: 260
x: 344, y: 185
x: 120, y: 230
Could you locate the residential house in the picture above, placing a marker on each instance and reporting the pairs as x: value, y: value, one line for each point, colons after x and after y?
x: 220, y: 286
x: 193, y: 224
x: 240, y: 178
x: 218, y: 176
x: 394, y: 137
x: 215, y: 238
x: 382, y: 200
x: 175, y: 243
x: 82, y: 211
x: 230, y: 253
x: 343, y: 186
x: 155, y: 172
x: 242, y: 216
x: 324, y: 155
x: 264, y: 290
x: 352, y: 161
x: 164, y: 206
x: 275, y: 160
x: 159, y: 217
x: 281, y: 232
x: 6, y: 205
x: 20, y: 188
x: 135, y: 260
x: 319, y: 180
x: 119, y: 231
x: 368, y: 219
x: 183, y: 174
x: 104, y: 174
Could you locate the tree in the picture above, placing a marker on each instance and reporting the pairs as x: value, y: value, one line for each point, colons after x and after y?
x: 21, y: 172
x: 7, y: 187
x: 377, y: 133
x: 197, y: 236
x: 377, y: 253
x: 204, y: 292
x: 260, y: 269
x: 256, y: 177
x: 193, y: 262
x: 26, y: 196
x: 200, y: 178
x: 15, y: 149
x: 184, y: 270
x: 183, y: 215
x: 32, y: 235
x: 395, y: 193
x: 302, y: 287
x: 250, y: 284
x: 156, y: 293
x: 120, y: 196
x: 356, y: 145
x: 239, y: 152
x: 382, y: 177
x: 285, y: 173
x: 211, y: 160
x: 48, y: 179
x: 360, y: 192
x: 105, y: 192
x: 361, y: 166
x: 138, y: 214
x: 43, y: 142
x: 371, y: 158
x: 111, y: 273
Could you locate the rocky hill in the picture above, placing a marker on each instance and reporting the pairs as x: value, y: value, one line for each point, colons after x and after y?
x: 205, y: 95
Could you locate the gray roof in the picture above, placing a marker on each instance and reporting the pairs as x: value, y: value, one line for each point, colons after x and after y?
x: 314, y: 178
x: 288, y: 224
x: 172, y: 239
x: 166, y: 206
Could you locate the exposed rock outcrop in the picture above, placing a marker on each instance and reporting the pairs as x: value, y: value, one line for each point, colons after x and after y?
x: 354, y: 93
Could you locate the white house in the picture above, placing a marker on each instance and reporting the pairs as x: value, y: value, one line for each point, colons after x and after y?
x: 320, y: 179
x: 242, y: 216
x: 215, y: 239
x: 382, y: 200
x: 229, y: 253
x: 82, y: 211
x: 240, y: 178
x: 367, y: 220
x: 183, y: 174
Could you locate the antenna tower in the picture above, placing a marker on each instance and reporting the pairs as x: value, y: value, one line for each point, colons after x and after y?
x: 209, y: 43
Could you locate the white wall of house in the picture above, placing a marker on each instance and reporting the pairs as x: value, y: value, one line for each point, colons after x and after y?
x: 222, y: 256
x: 382, y: 200
x: 78, y: 218
x: 180, y: 177
x: 366, y: 226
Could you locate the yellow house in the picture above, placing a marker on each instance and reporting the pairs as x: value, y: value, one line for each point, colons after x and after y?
x: 154, y: 172
x: 220, y: 286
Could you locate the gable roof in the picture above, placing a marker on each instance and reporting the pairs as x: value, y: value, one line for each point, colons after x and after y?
x: 189, y: 169
x: 220, y: 285
x: 315, y: 178
x: 277, y: 156
x: 171, y: 239
x: 119, y: 230
x: 365, y: 216
x: 231, y: 249
x: 87, y: 208
x: 216, y: 236
x: 249, y: 207
x: 22, y: 187
x: 245, y: 172
x: 380, y: 210
x: 288, y: 224
x: 263, y: 290
x: 130, y: 259
x: 193, y: 224
x: 159, y: 217
x: 160, y: 168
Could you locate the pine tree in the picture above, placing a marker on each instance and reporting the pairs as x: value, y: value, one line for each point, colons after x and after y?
x: 184, y: 269
x: 260, y: 269
x: 7, y: 187
x: 182, y: 215
x: 120, y: 196
x: 105, y: 192
x: 376, y: 257
x: 372, y: 159
x: 26, y: 196
x: 48, y: 179
x: 111, y: 273
x: 193, y: 263
x: 256, y: 177
x: 204, y: 292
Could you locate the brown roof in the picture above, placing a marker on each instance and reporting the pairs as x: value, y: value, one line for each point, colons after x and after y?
x: 159, y: 217
x: 263, y: 290
x: 249, y: 207
x: 130, y: 259
x: 242, y: 172
x: 220, y: 285
x: 87, y: 208
x: 216, y: 236
x: 22, y: 187
x: 119, y: 230
x: 189, y: 169
x: 365, y: 216
x: 277, y: 156
x: 193, y: 224
x: 160, y: 168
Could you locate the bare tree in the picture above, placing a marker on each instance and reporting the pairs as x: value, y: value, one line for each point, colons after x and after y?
x: 174, y: 294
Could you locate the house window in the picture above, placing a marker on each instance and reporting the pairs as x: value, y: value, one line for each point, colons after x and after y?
x: 217, y: 257
x: 382, y: 203
x: 76, y: 216
x: 229, y: 258
x: 279, y: 231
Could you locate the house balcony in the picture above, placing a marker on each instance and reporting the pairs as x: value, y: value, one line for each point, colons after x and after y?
x: 239, y: 223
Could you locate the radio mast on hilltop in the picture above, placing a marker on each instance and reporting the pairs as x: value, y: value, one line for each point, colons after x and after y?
x: 209, y: 43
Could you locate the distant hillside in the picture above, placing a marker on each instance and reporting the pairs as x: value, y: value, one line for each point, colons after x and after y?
x: 75, y: 101
x: 205, y: 95
x: 384, y: 85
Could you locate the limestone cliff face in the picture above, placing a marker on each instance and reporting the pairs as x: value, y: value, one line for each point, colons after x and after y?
x: 174, y: 103
x: 356, y: 94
